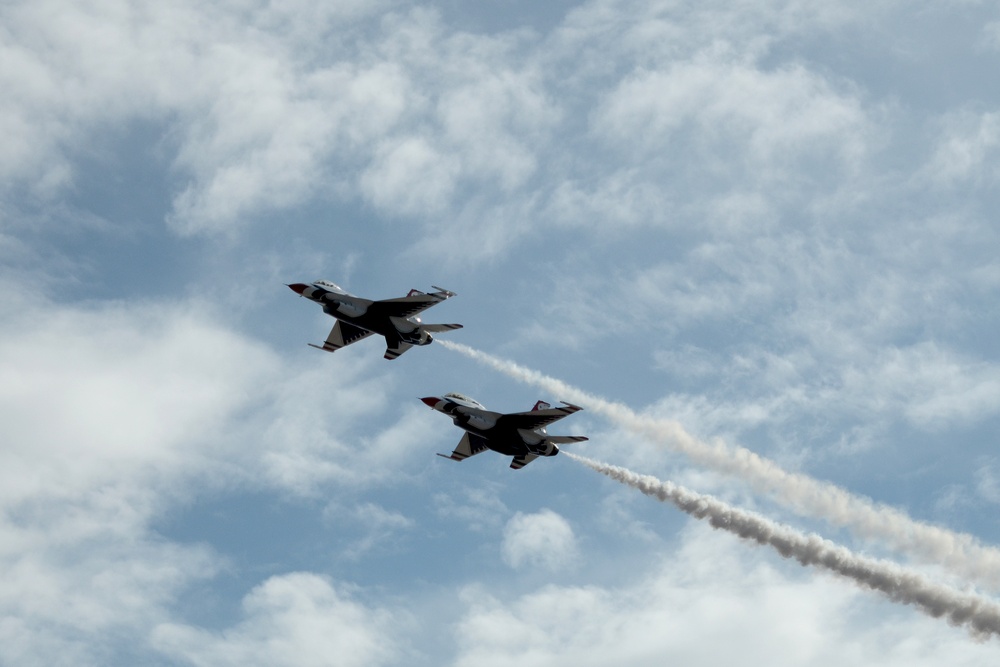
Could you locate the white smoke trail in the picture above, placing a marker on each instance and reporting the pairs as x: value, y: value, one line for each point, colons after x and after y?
x: 980, y: 614
x: 959, y: 552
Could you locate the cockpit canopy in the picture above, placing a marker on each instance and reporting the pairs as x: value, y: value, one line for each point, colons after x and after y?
x: 326, y: 284
x: 459, y: 398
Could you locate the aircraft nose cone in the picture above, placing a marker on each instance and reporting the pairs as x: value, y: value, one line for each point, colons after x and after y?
x: 431, y: 401
x: 298, y: 288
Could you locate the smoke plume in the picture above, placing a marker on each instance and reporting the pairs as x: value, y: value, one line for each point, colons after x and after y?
x: 981, y: 615
x: 960, y: 553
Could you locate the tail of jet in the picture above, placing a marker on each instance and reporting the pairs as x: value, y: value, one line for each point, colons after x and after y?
x: 401, y: 342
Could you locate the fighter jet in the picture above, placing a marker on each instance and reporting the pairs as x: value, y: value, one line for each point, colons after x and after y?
x: 519, y: 434
x: 357, y: 318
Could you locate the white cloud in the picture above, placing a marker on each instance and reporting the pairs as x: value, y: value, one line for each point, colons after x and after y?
x: 988, y: 481
x: 265, y: 107
x: 379, y: 526
x: 854, y: 397
x: 710, y: 588
x: 852, y: 328
x: 938, y: 388
x: 112, y: 415
x: 619, y: 198
x: 297, y: 619
x: 778, y: 116
x: 265, y: 137
x: 104, y: 414
x: 411, y: 178
x: 253, y: 106
x: 736, y: 197
x: 966, y: 152
x: 77, y: 583
x: 542, y: 540
x: 305, y: 437
x: 480, y: 508
x: 102, y: 395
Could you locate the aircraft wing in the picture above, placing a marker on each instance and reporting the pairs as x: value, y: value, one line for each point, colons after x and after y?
x: 469, y: 445
x: 521, y: 461
x: 342, y: 335
x: 395, y: 348
x: 538, y: 418
x: 411, y: 304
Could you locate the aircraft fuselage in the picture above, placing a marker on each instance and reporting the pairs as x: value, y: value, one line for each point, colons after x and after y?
x: 364, y: 314
x: 496, y: 430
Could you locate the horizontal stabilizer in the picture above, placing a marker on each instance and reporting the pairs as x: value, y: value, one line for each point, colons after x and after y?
x: 563, y: 439
x: 521, y: 461
x: 434, y: 328
x: 469, y: 445
x: 341, y: 335
x: 394, y: 348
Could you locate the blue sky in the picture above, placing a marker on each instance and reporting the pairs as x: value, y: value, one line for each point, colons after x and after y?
x: 771, y: 221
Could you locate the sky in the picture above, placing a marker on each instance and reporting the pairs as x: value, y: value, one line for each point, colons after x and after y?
x: 771, y: 223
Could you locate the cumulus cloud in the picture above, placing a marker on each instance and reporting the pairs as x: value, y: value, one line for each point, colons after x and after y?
x: 542, y: 540
x: 79, y: 578
x: 264, y: 107
x: 251, y: 114
x: 104, y: 414
x: 135, y: 388
x: 705, y: 589
x: 114, y: 413
x: 703, y: 128
x: 411, y: 178
x: 295, y: 619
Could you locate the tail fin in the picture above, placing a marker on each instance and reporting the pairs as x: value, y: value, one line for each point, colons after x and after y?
x: 541, y: 405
